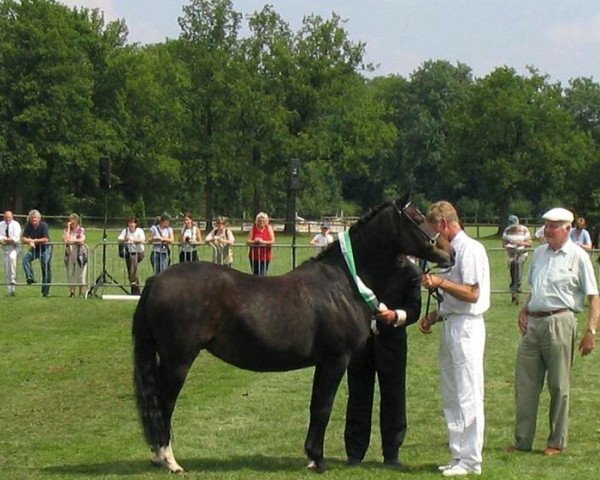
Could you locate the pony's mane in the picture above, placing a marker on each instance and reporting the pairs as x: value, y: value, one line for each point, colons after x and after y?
x: 364, y: 220
x: 367, y: 217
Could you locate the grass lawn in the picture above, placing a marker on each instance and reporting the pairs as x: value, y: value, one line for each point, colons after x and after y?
x: 67, y: 409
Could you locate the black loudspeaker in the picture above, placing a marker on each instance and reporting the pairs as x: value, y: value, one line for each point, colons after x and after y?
x: 105, y: 173
x: 295, y: 174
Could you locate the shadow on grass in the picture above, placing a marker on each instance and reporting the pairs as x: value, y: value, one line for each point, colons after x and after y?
x: 256, y: 463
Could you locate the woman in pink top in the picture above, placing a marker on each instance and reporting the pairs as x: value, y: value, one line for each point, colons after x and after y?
x: 260, y: 239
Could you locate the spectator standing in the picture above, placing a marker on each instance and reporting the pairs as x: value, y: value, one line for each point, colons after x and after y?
x: 221, y: 239
x: 580, y: 235
x: 260, y: 239
x: 516, y: 238
x: 190, y: 238
x: 561, y: 276
x: 465, y: 298
x: 324, y: 238
x: 133, y: 238
x: 161, y: 236
x: 384, y: 356
x: 36, y: 236
x: 10, y: 236
x: 75, y: 255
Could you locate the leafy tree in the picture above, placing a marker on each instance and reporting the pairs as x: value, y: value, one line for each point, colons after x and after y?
x: 510, y: 139
x: 582, y: 99
x: 417, y: 108
x: 208, y: 45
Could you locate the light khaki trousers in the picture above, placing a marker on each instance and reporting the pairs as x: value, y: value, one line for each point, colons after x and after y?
x: 546, y: 349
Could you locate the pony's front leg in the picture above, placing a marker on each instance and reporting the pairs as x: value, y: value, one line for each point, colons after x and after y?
x: 328, y: 375
x: 164, y: 456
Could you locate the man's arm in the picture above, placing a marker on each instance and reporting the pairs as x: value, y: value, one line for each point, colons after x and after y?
x: 463, y: 292
x: 588, y: 341
x: 406, y: 310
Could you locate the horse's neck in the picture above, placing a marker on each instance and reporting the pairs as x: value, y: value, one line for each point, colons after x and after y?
x: 374, y: 258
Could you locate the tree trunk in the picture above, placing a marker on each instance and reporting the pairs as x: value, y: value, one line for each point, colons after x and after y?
x: 503, y: 212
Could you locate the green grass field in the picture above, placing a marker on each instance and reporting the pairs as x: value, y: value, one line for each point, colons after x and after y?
x: 67, y: 408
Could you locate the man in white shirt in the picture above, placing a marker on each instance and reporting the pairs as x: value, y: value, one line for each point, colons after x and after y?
x: 10, y: 236
x: 465, y: 298
x: 516, y: 238
x: 324, y: 238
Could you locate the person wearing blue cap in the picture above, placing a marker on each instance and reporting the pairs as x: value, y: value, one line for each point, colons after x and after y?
x: 561, y: 277
x: 516, y: 238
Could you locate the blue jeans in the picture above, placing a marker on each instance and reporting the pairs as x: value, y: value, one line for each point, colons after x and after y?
x: 259, y: 267
x: 160, y: 261
x: 44, y: 255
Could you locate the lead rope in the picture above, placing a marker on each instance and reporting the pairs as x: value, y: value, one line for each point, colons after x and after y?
x: 433, y: 292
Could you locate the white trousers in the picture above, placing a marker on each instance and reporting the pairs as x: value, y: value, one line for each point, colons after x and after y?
x: 462, y: 347
x: 10, y: 268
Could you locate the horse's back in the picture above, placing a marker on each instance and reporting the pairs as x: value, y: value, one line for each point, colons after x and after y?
x: 256, y: 323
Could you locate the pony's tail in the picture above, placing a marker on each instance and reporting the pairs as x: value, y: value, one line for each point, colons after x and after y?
x: 146, y: 377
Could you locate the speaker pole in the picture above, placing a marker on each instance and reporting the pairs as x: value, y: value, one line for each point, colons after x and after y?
x: 104, y: 277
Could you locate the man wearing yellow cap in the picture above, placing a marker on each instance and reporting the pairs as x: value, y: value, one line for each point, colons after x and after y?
x: 561, y: 276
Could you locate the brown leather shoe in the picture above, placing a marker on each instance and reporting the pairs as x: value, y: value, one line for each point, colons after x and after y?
x: 552, y: 451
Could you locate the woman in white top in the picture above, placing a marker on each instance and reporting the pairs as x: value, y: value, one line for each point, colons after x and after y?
x: 580, y: 235
x: 75, y: 255
x: 190, y: 238
x: 133, y: 238
x: 161, y: 236
x: 222, y: 240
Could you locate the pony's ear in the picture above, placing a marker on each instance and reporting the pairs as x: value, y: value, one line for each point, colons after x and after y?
x: 403, y: 200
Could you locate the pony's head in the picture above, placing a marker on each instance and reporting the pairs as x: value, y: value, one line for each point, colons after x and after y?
x: 417, y: 238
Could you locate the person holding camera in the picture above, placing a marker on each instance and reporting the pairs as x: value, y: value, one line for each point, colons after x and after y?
x: 222, y: 240
x: 190, y: 238
x: 132, y: 238
x: 75, y: 255
x: 161, y: 236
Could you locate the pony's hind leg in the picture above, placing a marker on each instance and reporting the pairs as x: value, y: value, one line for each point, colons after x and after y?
x: 172, y: 380
x: 163, y: 456
x: 327, y: 378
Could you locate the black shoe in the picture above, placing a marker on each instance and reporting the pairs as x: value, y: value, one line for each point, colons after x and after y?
x: 353, y: 462
x: 30, y: 281
x: 391, y: 462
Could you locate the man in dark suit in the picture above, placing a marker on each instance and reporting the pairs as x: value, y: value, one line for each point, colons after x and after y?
x: 383, y: 355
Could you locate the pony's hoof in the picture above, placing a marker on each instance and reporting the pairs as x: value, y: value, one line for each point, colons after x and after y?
x: 316, y: 466
x: 170, y: 464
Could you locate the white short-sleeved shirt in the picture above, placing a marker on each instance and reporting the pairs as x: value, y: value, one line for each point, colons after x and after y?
x: 471, y: 267
x: 10, y: 230
x: 560, y: 279
x: 128, y: 236
x: 323, y: 240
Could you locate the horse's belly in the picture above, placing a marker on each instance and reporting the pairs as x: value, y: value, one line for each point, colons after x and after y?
x: 259, y: 358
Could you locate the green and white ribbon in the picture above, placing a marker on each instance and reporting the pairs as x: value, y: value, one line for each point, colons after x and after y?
x: 365, y: 292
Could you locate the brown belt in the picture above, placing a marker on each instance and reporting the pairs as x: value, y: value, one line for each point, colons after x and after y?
x: 547, y: 314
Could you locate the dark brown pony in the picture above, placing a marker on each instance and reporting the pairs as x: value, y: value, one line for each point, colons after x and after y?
x: 313, y: 315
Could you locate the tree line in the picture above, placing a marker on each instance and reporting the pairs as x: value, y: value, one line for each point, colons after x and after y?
x: 210, y: 121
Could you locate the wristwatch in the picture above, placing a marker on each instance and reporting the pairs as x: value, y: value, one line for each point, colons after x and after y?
x: 592, y: 330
